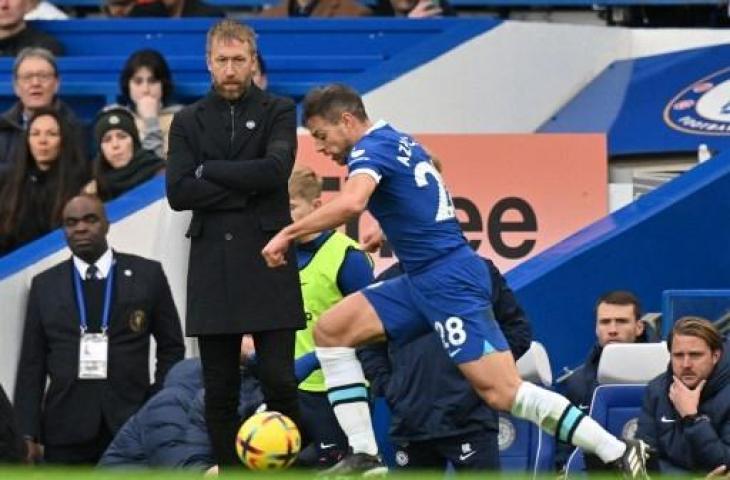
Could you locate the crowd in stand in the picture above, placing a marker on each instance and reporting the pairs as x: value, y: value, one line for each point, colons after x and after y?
x: 128, y: 141
x: 44, y: 160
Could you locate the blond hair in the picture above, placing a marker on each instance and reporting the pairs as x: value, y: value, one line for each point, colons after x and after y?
x: 229, y: 29
x: 692, y: 326
x: 304, y: 183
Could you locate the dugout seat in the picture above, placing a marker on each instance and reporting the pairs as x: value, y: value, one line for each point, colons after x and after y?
x: 623, y: 372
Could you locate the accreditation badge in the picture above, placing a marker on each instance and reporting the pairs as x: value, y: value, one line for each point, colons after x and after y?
x: 93, y: 356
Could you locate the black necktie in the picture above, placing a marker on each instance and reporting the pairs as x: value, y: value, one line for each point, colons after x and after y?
x: 91, y: 273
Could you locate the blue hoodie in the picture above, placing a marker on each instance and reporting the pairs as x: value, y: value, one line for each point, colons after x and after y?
x: 170, y: 430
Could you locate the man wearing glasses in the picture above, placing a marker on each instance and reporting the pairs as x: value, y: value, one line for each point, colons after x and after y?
x: 36, y: 82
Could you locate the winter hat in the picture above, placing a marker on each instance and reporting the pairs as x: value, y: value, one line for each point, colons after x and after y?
x: 116, y: 117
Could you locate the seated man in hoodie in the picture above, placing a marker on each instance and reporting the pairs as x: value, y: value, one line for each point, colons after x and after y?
x: 170, y: 430
x: 618, y: 320
x: 685, y: 416
x: 146, y: 438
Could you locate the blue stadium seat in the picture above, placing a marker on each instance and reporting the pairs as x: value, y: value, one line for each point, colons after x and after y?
x: 299, y: 53
x: 524, y: 447
x: 713, y: 305
x: 616, y: 408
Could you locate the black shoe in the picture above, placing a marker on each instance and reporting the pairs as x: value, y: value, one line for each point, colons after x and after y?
x: 633, y: 462
x: 357, y: 464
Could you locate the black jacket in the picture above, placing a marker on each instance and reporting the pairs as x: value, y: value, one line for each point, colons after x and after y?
x: 72, y: 409
x: 34, y: 217
x: 241, y: 201
x: 29, y: 37
x: 191, y: 8
x: 428, y: 396
x: 700, y: 446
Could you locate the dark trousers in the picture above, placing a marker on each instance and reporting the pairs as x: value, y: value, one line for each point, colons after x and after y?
x: 320, y: 426
x: 221, y: 358
x: 87, y: 453
x: 471, y: 451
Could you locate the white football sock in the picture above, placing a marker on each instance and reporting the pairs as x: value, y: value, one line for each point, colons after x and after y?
x: 554, y: 413
x: 348, y: 394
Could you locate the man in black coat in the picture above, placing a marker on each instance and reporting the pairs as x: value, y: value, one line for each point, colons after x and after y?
x: 229, y: 161
x: 99, y: 300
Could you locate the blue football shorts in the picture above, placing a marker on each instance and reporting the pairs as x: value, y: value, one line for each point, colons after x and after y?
x: 450, y: 297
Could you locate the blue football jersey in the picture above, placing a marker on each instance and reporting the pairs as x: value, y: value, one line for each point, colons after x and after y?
x: 411, y: 202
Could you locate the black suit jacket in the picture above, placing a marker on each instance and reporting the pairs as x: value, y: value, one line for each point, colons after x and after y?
x: 72, y: 409
x: 247, y: 150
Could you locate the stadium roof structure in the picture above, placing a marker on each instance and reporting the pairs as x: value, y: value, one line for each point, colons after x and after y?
x: 668, y: 103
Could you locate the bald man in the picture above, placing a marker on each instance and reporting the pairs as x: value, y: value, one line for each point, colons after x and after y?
x: 87, y: 328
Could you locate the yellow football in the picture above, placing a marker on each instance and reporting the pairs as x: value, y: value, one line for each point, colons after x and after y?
x: 268, y: 441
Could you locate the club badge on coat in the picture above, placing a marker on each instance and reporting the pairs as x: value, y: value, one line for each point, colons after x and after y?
x: 137, y: 321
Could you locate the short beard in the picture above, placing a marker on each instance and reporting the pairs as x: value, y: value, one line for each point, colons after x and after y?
x: 230, y: 94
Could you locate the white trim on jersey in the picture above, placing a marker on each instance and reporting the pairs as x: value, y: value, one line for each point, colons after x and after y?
x: 379, y: 124
x: 366, y: 171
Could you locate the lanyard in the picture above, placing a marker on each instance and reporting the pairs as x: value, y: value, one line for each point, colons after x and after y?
x: 81, y: 303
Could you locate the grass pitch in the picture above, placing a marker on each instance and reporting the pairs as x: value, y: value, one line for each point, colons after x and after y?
x: 48, y: 473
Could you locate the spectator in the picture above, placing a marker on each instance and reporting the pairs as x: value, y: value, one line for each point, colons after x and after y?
x: 101, y: 377
x: 685, y: 416
x: 175, y: 9
x: 121, y: 163
x: 331, y: 266
x: 15, y: 34
x: 618, y: 316
x: 35, y: 82
x: 146, y: 85
x: 436, y: 417
x: 122, y: 8
x: 44, y: 10
x: 317, y: 8
x: 48, y: 170
x: 414, y: 8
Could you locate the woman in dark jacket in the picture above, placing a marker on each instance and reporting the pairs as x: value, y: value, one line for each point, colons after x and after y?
x: 48, y: 169
x: 121, y: 163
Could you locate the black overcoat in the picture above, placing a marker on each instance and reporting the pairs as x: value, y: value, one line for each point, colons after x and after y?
x: 247, y: 150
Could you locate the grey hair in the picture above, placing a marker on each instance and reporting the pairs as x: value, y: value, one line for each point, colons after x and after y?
x: 34, y: 52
